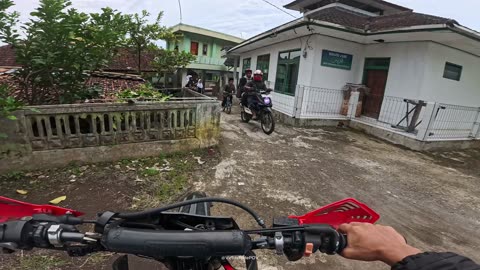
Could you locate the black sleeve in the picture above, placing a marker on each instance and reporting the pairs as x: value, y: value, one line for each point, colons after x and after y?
x: 436, y: 261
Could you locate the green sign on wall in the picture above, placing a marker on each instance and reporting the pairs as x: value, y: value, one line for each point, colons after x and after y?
x: 337, y: 60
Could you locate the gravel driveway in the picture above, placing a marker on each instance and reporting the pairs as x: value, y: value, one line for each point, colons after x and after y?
x: 432, y: 199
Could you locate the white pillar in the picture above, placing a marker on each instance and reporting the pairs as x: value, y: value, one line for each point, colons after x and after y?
x: 477, y: 123
x: 184, y: 77
x: 353, y: 104
x: 297, y: 110
x: 235, y: 72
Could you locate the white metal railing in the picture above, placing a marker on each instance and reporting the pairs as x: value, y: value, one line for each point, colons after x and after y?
x: 425, y: 121
x: 283, y: 103
x: 454, y: 122
x: 209, y: 60
x: 323, y: 103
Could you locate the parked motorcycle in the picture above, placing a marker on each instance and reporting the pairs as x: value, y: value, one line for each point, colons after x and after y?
x: 263, y: 112
x: 183, y: 235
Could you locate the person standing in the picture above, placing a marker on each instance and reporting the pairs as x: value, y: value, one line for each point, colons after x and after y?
x: 200, y: 88
x: 241, y: 86
x: 190, y: 82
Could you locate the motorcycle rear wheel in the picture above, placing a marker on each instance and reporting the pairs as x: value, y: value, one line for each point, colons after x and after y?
x: 268, y: 123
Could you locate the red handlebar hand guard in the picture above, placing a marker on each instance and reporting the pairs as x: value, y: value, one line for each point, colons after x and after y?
x: 338, y: 213
x: 11, y: 209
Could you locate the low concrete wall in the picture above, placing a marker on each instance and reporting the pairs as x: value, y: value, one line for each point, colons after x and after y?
x: 384, y: 134
x: 412, y: 143
x: 53, y: 136
x: 301, y: 122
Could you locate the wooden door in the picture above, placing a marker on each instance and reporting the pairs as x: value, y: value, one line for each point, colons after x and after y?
x: 194, y: 48
x: 376, y: 80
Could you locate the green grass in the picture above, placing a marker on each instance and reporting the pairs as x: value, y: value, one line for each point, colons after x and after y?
x: 125, y: 161
x: 75, y: 170
x: 161, y: 187
x: 150, y: 172
x: 15, y: 175
x: 41, y: 262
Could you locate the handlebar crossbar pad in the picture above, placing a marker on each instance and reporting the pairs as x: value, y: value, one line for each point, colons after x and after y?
x: 199, y: 244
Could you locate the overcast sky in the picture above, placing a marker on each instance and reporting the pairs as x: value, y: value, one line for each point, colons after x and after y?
x: 246, y: 18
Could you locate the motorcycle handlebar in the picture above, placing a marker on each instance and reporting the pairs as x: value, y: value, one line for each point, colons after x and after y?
x: 176, y: 243
x: 159, y: 243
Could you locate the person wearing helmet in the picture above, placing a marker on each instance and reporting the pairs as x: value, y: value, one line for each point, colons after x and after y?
x: 241, y: 85
x: 252, y: 89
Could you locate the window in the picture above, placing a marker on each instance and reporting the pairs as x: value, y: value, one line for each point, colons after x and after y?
x: 205, y: 49
x: 263, y: 64
x: 287, y: 71
x: 246, y: 64
x: 194, y: 48
x: 452, y: 71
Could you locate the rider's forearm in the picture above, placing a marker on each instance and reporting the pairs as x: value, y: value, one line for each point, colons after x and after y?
x: 437, y: 261
x: 396, y: 254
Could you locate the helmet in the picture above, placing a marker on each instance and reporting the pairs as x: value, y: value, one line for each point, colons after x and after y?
x: 258, y: 75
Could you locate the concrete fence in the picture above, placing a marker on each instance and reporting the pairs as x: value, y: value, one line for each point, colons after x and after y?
x: 56, y: 135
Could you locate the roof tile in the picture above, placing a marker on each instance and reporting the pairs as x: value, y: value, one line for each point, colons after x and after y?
x: 125, y: 61
x: 7, y: 56
x: 359, y: 21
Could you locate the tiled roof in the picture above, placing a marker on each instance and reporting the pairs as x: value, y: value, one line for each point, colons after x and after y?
x: 7, y: 56
x: 125, y: 61
x: 111, y: 84
x: 405, y: 19
x: 341, y: 16
x: 359, y: 21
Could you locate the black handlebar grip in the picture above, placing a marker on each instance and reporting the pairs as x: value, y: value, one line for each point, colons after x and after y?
x: 17, y: 232
x: 342, y: 243
x: 157, y: 244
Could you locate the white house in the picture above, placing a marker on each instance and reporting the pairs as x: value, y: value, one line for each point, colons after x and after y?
x: 397, y: 53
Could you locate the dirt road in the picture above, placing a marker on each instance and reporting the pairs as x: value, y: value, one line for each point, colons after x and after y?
x: 431, y: 199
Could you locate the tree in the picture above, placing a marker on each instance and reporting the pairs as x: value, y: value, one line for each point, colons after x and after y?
x: 60, y: 45
x: 142, y: 36
x: 8, y: 104
x: 167, y: 61
x: 7, y: 22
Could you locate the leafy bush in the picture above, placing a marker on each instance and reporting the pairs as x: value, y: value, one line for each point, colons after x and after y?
x: 8, y: 104
x: 145, y: 91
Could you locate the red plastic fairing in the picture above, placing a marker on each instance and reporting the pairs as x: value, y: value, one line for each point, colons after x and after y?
x: 335, y: 214
x: 227, y: 266
x: 12, y: 209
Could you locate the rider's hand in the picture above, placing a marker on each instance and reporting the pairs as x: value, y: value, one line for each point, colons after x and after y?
x: 368, y: 242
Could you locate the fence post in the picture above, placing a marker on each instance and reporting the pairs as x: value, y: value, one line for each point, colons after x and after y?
x: 427, y: 121
x: 353, y: 104
x: 477, y: 123
x: 297, y: 107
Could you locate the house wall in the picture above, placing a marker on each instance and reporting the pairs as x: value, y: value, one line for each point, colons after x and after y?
x: 407, y: 66
x: 334, y: 78
x: 465, y: 92
x: 214, y: 45
x: 303, y: 75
